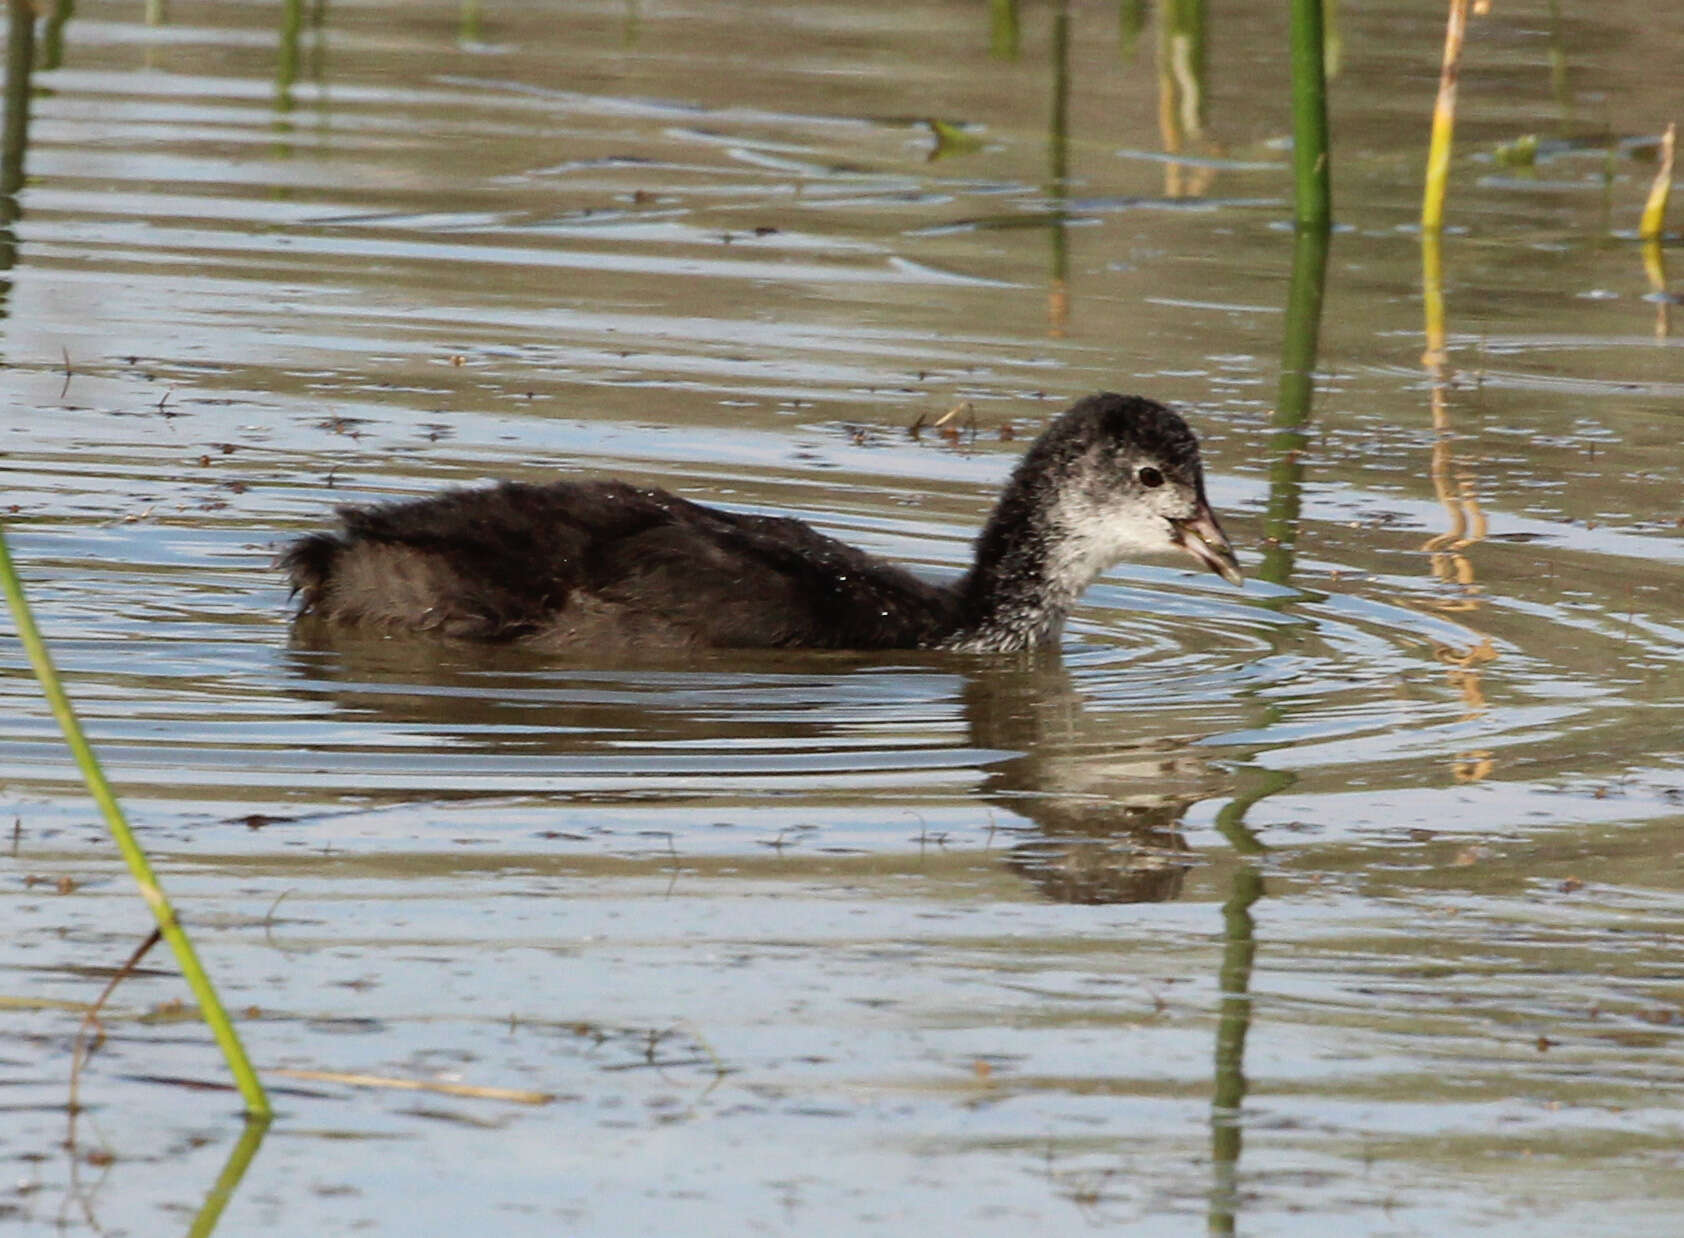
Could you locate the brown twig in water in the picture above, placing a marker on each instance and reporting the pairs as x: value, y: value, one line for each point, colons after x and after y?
x: 81, y: 1051
x: 963, y: 410
x: 939, y: 423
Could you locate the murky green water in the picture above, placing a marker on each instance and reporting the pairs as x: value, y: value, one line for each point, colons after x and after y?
x: 1349, y: 903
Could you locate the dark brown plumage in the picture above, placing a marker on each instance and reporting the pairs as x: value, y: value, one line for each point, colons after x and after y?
x: 609, y: 567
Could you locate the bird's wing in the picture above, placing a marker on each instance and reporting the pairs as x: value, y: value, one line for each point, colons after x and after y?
x: 577, y: 563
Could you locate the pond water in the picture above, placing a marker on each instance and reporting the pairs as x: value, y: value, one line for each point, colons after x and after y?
x: 1347, y: 902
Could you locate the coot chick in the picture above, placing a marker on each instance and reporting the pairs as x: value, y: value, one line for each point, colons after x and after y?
x: 607, y: 567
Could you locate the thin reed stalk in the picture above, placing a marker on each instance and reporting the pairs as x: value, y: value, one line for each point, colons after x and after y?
x: 1312, y: 189
x: 1654, y: 210
x: 1444, y: 118
x: 210, y: 1006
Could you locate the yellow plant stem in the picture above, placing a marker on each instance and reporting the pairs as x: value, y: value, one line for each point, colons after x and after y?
x: 1444, y: 118
x: 1654, y: 210
x: 1654, y: 265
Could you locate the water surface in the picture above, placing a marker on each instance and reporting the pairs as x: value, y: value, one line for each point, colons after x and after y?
x: 1344, y: 903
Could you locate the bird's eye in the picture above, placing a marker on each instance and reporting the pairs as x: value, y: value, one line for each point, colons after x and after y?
x: 1150, y: 477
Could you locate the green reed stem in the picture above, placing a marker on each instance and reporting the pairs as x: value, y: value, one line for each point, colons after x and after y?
x: 1004, y: 31
x: 1312, y: 193
x: 210, y: 1006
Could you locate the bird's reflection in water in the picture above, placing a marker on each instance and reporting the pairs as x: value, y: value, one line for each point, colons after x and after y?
x: 1103, y: 797
x: 501, y: 700
x: 1107, y: 806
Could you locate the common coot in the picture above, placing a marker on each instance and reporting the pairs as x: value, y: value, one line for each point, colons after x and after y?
x: 607, y: 567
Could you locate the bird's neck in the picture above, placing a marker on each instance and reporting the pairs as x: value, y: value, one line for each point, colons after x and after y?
x: 1025, y: 580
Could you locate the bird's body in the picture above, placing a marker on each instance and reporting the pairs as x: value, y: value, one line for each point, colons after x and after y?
x: 603, y: 564
x: 608, y: 567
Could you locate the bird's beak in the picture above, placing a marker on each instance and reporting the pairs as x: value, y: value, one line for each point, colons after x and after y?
x: 1200, y: 536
